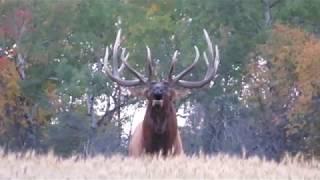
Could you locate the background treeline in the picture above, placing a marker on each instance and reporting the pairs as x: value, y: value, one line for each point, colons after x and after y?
x: 55, y: 95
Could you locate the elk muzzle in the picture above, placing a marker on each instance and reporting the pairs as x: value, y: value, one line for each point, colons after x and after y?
x: 158, y: 93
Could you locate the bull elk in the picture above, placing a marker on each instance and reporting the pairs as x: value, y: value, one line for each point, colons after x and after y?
x: 158, y: 132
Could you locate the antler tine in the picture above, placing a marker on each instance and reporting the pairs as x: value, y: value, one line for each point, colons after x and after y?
x: 149, y: 67
x: 106, y: 59
x: 216, y: 60
x: 124, y: 58
x: 121, y: 68
x: 116, y: 46
x: 212, y: 71
x: 206, y: 58
x: 189, y: 68
x: 212, y: 66
x: 116, y: 70
x: 130, y: 68
x: 173, y: 64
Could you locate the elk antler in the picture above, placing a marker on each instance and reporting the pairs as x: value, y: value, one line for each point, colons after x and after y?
x: 114, y: 74
x: 211, y: 71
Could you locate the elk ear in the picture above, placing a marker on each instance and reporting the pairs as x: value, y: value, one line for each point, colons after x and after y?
x: 181, y: 93
x: 138, y: 92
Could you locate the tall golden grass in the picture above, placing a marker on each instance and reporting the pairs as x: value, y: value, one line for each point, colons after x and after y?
x: 31, y: 166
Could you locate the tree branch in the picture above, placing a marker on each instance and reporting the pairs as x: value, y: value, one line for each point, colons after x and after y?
x: 109, y: 113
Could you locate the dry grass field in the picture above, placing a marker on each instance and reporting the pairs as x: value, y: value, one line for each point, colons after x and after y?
x: 30, y: 166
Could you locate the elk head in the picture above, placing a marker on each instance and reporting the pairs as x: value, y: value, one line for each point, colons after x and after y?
x: 160, y: 123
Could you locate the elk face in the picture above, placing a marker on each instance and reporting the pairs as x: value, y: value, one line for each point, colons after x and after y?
x: 159, y: 93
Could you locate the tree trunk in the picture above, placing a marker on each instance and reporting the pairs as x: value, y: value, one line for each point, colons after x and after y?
x: 21, y: 64
x: 267, y: 6
x: 267, y: 13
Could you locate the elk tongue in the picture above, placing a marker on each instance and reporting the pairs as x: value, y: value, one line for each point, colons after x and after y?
x: 157, y: 102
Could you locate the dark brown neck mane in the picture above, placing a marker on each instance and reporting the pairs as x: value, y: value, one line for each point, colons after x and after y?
x: 166, y: 116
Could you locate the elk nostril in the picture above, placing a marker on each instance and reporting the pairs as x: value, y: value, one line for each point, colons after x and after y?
x: 157, y: 95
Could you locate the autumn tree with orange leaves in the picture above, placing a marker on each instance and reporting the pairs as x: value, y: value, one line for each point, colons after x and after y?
x: 19, y: 118
x: 284, y: 80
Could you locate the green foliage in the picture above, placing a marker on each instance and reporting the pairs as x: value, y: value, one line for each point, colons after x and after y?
x: 304, y: 13
x: 68, y: 133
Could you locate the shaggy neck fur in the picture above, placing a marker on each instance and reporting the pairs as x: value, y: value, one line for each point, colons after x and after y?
x: 163, y: 118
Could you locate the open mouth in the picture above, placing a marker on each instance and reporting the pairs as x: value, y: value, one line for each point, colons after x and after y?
x: 157, y: 102
x: 157, y: 96
x: 157, y: 99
